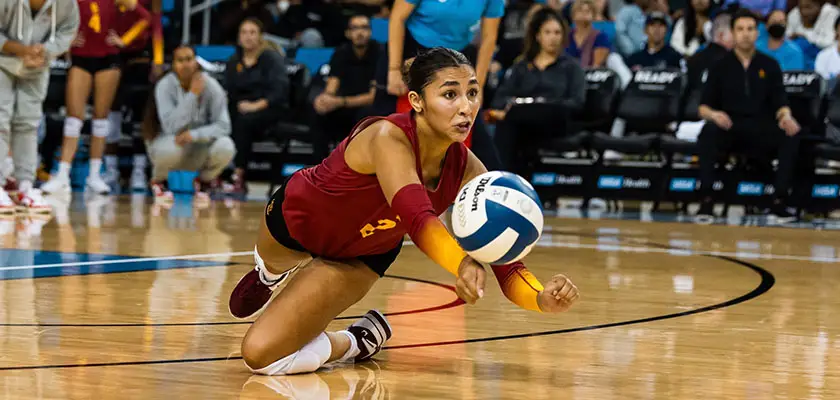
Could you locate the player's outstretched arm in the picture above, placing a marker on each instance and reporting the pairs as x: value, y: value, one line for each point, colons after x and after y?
x: 518, y: 284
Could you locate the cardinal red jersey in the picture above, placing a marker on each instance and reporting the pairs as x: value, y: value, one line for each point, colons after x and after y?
x: 139, y: 18
x: 335, y: 212
x: 97, y: 18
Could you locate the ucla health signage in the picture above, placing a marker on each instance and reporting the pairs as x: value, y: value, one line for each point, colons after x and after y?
x: 551, y: 179
x: 619, y: 182
x: 683, y: 184
x: 825, y: 191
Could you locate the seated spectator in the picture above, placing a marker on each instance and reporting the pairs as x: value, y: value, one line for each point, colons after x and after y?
x: 630, y: 27
x: 789, y: 55
x: 761, y: 8
x: 828, y: 61
x: 692, y: 30
x: 257, y: 87
x: 813, y: 21
x: 756, y: 121
x: 602, y: 11
x: 587, y: 44
x: 543, y: 70
x: 349, y: 89
x: 657, y: 54
x: 187, y: 126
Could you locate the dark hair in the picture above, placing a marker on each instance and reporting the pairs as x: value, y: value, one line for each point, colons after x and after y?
x: 531, y: 47
x: 743, y: 13
x: 836, y: 22
x: 691, y: 22
x: 356, y: 15
x: 254, y: 21
x: 421, y: 71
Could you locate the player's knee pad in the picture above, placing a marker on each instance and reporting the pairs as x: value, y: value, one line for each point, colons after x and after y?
x: 100, y: 128
x: 308, y: 359
x: 72, y: 127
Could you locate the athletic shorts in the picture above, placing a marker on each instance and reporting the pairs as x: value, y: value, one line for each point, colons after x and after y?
x: 95, y: 64
x: 276, y: 224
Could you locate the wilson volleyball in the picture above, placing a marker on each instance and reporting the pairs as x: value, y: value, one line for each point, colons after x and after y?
x: 497, y: 217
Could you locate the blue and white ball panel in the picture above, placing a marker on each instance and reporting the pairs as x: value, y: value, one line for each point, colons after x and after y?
x: 497, y: 218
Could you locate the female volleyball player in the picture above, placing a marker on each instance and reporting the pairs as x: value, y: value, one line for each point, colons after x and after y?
x: 345, y: 220
x: 95, y: 63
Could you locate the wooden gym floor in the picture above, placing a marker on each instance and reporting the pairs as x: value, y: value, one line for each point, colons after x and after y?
x: 115, y: 298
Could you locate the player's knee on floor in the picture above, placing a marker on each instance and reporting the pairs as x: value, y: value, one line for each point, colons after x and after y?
x: 257, y: 354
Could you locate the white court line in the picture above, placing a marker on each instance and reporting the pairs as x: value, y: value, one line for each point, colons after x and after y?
x: 609, y: 247
x: 129, y: 260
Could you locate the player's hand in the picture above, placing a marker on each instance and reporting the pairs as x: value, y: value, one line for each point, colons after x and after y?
x: 470, y: 283
x: 396, y: 85
x: 558, y: 295
x: 722, y: 120
x: 114, y: 40
x: 79, y: 40
x: 789, y: 125
x: 183, y: 138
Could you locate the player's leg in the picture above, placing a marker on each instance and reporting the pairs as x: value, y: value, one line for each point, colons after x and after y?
x: 289, y: 336
x: 105, y: 84
x: 79, y: 83
x: 7, y: 107
x: 30, y: 95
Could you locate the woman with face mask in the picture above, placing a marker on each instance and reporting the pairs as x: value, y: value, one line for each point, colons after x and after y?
x: 788, y: 54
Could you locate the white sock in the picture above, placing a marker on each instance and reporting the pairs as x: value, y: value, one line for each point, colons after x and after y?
x: 111, y: 162
x: 139, y: 162
x: 266, y: 276
x: 353, y: 351
x: 95, y: 167
x: 63, y: 170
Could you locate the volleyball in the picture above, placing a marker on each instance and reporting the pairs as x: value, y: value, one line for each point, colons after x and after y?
x: 497, y: 217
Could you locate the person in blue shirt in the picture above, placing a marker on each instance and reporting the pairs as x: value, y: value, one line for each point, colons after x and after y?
x: 657, y: 53
x: 630, y: 27
x: 788, y: 54
x: 586, y: 44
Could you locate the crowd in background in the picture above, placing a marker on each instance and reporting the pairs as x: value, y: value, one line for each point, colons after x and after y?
x: 521, y: 48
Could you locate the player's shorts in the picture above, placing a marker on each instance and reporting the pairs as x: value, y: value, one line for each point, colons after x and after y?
x: 276, y: 224
x: 92, y: 65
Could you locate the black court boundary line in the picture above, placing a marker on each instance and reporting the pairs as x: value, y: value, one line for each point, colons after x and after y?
x: 454, y: 303
x: 767, y: 283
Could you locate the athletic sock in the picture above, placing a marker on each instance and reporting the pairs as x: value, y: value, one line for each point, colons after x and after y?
x: 95, y: 167
x: 353, y: 350
x: 63, y: 170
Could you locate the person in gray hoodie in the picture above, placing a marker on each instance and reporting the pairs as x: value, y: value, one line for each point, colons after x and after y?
x: 187, y: 126
x: 32, y: 34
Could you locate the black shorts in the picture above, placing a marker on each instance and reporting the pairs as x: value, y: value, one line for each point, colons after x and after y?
x: 92, y: 65
x: 276, y: 224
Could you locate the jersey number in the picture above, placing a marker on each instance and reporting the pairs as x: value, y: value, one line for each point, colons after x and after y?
x: 95, y: 22
x: 384, y: 225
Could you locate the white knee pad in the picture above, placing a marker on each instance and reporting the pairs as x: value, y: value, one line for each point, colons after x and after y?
x: 308, y: 359
x: 72, y: 127
x: 100, y: 128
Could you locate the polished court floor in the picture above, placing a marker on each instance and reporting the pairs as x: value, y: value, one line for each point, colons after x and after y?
x: 116, y: 298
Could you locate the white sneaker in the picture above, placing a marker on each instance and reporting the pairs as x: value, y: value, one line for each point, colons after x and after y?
x: 32, y: 201
x: 56, y: 185
x: 97, y: 185
x: 7, y: 206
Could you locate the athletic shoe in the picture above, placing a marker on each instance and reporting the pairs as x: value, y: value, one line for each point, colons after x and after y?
x: 202, y: 191
x: 706, y: 213
x: 97, y: 185
x: 7, y: 206
x: 371, y: 332
x: 782, y: 214
x: 11, y: 186
x: 252, y: 294
x: 56, y: 185
x: 32, y: 201
x: 162, y: 193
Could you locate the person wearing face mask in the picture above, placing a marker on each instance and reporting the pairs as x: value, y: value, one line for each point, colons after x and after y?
x: 789, y: 55
x: 657, y: 53
x: 543, y: 70
x: 187, y: 126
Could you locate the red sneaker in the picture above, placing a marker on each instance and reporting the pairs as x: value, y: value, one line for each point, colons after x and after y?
x: 251, y: 294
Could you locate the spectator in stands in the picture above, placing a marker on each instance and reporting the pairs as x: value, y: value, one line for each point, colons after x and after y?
x: 32, y: 34
x: 349, y: 90
x: 789, y: 55
x: 813, y: 21
x: 761, y: 8
x: 543, y: 70
x: 585, y: 43
x: 746, y: 108
x: 232, y: 13
x: 694, y: 29
x: 657, y: 54
x: 257, y: 87
x: 630, y: 27
x: 828, y: 61
x: 187, y: 127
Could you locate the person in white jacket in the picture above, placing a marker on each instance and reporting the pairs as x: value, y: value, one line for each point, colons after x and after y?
x: 814, y: 21
x: 692, y: 30
x: 32, y: 34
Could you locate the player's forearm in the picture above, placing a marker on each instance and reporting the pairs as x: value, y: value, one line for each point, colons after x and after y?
x: 14, y: 47
x: 519, y: 285
x: 359, y: 100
